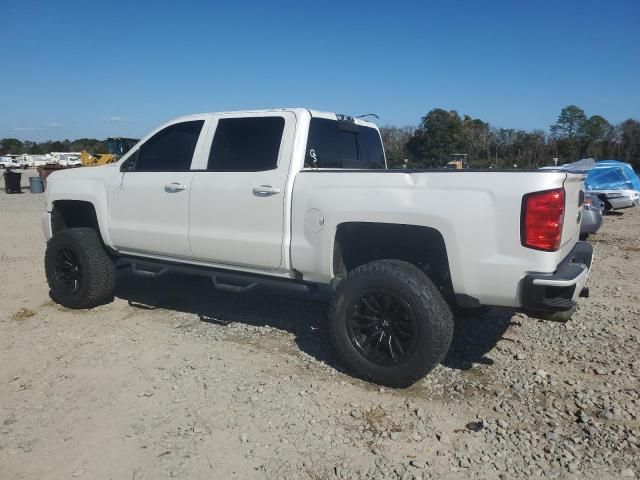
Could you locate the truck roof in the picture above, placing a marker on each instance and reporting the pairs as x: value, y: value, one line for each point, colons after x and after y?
x: 296, y: 110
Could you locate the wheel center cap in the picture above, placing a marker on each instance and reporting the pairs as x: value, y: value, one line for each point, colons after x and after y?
x: 384, y: 323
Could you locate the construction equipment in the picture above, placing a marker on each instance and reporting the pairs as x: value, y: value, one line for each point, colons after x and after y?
x: 457, y: 161
x: 89, y: 160
x: 120, y: 145
x: 117, y: 147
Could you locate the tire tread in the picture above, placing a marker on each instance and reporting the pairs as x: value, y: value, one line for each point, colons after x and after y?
x: 101, y: 276
x: 424, y: 291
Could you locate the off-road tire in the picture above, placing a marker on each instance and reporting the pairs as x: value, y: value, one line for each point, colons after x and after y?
x: 97, y: 273
x: 434, y: 321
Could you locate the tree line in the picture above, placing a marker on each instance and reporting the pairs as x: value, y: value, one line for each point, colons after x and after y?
x: 573, y: 136
x: 9, y: 146
x: 444, y: 132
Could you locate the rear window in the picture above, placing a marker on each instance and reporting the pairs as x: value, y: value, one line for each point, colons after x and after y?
x: 337, y: 144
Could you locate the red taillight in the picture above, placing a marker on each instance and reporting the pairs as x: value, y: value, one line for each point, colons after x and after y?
x: 542, y: 218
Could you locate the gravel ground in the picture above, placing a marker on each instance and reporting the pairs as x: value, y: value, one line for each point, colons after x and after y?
x: 175, y: 379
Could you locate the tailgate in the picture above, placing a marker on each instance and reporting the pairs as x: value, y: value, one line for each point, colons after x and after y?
x: 574, y: 198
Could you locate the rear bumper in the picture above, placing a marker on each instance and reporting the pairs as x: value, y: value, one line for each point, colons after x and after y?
x: 559, y: 291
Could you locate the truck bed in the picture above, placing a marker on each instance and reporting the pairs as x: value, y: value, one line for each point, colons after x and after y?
x: 477, y: 212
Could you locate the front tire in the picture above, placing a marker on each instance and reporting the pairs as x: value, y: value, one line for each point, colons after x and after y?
x: 389, y: 323
x: 79, y: 271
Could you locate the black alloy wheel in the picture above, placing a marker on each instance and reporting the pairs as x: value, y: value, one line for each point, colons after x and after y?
x: 389, y: 323
x: 68, y: 271
x: 382, y: 326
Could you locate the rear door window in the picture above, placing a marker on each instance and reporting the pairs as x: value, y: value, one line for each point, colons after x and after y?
x: 336, y: 144
x: 248, y: 144
x: 169, y: 150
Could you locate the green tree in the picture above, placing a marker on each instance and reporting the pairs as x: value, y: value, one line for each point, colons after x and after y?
x: 630, y: 142
x: 395, y: 140
x: 477, y: 138
x: 597, y: 135
x: 570, y: 123
x: 440, y: 134
x: 568, y: 130
x: 11, y: 146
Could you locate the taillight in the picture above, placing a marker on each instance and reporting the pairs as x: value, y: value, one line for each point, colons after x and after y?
x: 542, y: 219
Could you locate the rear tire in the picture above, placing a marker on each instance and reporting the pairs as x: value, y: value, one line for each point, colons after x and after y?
x: 389, y: 324
x: 79, y: 271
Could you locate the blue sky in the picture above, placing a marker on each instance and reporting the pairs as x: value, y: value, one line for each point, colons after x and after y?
x: 98, y: 69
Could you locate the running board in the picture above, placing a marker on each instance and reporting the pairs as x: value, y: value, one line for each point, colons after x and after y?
x: 228, y: 287
x: 223, y: 280
x: 147, y: 273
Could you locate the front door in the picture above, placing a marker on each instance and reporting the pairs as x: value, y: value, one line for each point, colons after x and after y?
x: 238, y: 201
x: 149, y: 212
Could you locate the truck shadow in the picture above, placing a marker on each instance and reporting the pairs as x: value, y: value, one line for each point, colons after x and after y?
x: 474, y: 336
x: 295, y: 311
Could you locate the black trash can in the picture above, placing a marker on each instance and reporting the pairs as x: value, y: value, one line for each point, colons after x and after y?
x: 12, y: 181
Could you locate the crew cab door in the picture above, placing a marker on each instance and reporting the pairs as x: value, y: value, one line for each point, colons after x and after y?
x: 149, y: 210
x: 238, y: 199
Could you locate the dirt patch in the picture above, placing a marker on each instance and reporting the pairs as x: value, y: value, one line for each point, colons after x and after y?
x: 23, y: 314
x: 213, y: 385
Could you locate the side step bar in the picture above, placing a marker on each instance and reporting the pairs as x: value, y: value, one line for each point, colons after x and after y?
x: 228, y: 287
x: 147, y: 273
x: 222, y: 280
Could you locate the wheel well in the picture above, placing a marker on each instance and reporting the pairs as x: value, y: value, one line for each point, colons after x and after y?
x: 358, y: 243
x: 73, y: 213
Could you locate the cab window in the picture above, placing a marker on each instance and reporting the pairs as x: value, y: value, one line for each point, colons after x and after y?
x: 169, y: 150
x: 248, y: 144
x: 338, y: 144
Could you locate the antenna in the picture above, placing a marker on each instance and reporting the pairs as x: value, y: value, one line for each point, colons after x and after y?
x: 368, y: 115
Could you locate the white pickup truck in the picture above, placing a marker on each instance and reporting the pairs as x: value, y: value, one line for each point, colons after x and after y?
x: 296, y: 195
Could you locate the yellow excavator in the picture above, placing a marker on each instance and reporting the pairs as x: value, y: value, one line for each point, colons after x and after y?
x: 89, y: 160
x: 117, y: 147
x: 457, y: 161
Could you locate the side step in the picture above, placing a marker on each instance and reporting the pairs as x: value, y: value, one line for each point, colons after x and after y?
x: 229, y: 287
x: 223, y: 280
x: 150, y: 273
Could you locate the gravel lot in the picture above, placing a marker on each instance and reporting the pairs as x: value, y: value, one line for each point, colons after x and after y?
x: 175, y: 379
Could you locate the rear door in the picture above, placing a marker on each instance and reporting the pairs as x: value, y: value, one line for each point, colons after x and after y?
x: 237, y: 206
x: 149, y: 212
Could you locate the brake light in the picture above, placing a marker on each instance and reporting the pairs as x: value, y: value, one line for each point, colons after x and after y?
x: 542, y: 219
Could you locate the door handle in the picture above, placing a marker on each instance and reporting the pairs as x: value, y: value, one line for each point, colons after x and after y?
x: 265, y: 191
x: 174, y: 187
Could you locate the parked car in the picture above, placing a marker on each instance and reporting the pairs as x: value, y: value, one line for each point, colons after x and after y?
x: 617, y: 199
x: 615, y: 182
x: 9, y: 162
x: 296, y: 195
x: 592, y: 211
